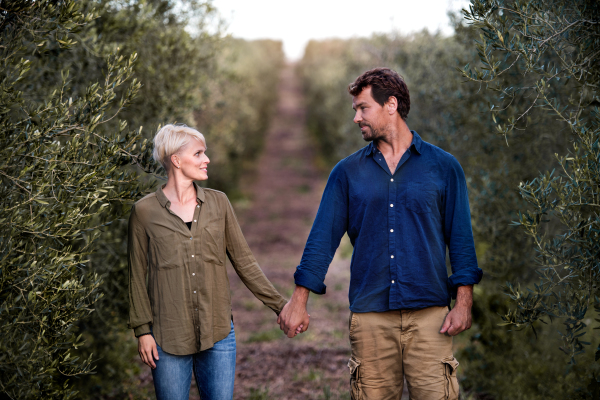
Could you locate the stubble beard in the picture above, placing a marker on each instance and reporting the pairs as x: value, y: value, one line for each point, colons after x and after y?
x: 371, y: 134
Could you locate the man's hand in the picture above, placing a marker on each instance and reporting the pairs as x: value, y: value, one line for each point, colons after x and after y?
x: 459, y: 318
x: 147, y: 350
x: 294, y: 319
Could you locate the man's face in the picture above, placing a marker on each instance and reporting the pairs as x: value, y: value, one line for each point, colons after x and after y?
x: 370, y: 116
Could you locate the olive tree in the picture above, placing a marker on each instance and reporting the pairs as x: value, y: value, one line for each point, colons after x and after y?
x: 64, y: 176
x: 556, y: 44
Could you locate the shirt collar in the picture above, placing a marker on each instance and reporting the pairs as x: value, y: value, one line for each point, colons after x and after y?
x: 415, y: 144
x: 162, y: 199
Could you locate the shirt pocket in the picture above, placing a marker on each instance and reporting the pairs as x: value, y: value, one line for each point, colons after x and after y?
x: 165, y: 251
x: 421, y: 197
x: 212, y: 245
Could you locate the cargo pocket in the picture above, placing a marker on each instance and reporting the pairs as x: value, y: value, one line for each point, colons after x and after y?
x: 355, y: 387
x: 451, y: 384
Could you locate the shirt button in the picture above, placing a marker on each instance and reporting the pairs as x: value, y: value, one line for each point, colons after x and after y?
x: 194, y: 220
x: 392, y: 256
x: 391, y: 205
x: 191, y: 238
x: 193, y: 273
x: 197, y: 206
x: 392, y: 179
x: 393, y: 281
x: 192, y: 255
x: 391, y: 230
x: 195, y: 292
x: 196, y: 309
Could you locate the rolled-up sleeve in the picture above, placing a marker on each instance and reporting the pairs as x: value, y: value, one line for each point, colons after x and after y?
x: 247, y: 267
x: 140, y: 313
x: 326, y: 233
x: 458, y: 232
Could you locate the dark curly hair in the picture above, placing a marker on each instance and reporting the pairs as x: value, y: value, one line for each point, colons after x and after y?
x: 384, y: 83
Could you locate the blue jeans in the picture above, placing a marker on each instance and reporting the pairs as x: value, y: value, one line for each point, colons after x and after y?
x: 214, y: 370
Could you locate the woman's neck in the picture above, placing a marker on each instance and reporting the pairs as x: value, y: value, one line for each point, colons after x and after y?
x: 179, y: 190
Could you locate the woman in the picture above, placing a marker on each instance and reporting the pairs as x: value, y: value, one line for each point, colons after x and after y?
x: 178, y: 239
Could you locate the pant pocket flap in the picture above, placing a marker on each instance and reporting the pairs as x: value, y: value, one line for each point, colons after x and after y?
x: 353, y: 364
x: 451, y: 362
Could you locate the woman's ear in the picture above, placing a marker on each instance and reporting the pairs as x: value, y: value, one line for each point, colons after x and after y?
x: 175, y: 161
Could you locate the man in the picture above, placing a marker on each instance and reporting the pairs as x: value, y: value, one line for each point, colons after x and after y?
x: 402, y: 201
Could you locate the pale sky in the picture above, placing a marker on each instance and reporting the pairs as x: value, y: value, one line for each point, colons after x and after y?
x: 296, y: 22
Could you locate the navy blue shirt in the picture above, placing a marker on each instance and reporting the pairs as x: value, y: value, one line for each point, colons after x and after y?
x: 399, y: 224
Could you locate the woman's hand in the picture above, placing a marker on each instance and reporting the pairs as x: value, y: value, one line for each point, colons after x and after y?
x: 147, y: 350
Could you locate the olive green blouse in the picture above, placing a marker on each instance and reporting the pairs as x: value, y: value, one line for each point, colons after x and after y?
x: 178, y: 282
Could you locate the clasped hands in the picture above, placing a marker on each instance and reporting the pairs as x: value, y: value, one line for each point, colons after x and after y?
x: 294, y: 318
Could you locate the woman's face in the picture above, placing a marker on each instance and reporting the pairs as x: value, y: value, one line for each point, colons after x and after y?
x: 193, y: 161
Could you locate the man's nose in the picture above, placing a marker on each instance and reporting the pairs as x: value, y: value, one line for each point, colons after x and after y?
x: 357, y: 118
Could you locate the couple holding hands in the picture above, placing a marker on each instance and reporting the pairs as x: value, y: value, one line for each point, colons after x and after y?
x: 402, y: 202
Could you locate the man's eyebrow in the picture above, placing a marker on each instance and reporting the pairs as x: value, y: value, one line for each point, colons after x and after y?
x: 357, y: 105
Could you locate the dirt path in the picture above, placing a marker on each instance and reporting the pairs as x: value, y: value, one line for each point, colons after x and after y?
x: 284, y: 193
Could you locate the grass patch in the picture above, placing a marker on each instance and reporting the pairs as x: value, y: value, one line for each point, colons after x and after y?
x: 304, y: 188
x: 259, y: 393
x: 338, y: 334
x: 312, y: 376
x: 345, y: 249
x: 335, y: 307
x: 249, y: 305
x: 326, y: 393
x: 266, y: 336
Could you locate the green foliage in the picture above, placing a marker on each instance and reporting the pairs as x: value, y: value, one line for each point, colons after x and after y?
x: 64, y: 175
x: 555, y: 44
x: 172, y: 63
x: 73, y: 164
x: 236, y: 107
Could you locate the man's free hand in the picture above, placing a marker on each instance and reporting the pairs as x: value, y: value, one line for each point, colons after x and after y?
x: 294, y: 318
x: 459, y: 318
x: 148, y: 351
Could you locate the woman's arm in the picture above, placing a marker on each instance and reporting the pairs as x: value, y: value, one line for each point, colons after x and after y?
x: 246, y: 266
x: 140, y: 313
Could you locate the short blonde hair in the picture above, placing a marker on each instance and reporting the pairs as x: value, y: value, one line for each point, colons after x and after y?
x: 170, y: 138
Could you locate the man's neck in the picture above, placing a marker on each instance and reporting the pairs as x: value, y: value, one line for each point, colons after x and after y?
x: 395, y: 143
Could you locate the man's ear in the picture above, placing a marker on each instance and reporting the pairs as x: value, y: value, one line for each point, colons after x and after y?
x: 391, y: 105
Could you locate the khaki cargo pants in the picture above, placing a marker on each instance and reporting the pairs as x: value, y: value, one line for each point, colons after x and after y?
x: 388, y: 346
